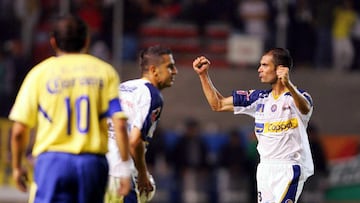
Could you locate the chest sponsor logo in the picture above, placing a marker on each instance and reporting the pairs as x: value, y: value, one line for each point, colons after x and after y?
x: 276, y: 127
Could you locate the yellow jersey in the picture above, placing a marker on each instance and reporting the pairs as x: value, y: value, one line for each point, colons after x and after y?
x: 67, y: 99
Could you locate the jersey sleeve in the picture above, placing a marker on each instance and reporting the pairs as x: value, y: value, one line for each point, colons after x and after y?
x: 244, y: 101
x: 143, y: 102
x: 26, y: 106
x: 305, y: 117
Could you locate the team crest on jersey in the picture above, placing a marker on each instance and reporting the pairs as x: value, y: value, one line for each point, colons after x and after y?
x: 155, y: 114
x: 273, y: 108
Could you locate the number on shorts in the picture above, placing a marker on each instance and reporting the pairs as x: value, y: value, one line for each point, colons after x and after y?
x: 259, y: 196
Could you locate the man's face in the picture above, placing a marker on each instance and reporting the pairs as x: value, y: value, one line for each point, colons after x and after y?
x: 166, y: 72
x: 267, y: 70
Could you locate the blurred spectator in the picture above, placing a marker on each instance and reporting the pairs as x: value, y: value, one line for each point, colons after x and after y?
x: 13, y: 67
x: 28, y: 12
x: 135, y: 12
x: 253, y: 160
x: 323, y: 22
x: 18, y: 61
x: 167, y: 10
x: 191, y: 167
x: 91, y: 12
x: 255, y: 14
x: 198, y: 12
x: 314, y: 192
x: 301, y: 27
x: 224, y: 11
x: 233, y: 154
x: 344, y: 21
x: 190, y: 150
x: 41, y: 48
x: 157, y: 150
x: 8, y: 21
x: 238, y: 170
x: 100, y: 49
x: 7, y: 75
x: 356, y: 40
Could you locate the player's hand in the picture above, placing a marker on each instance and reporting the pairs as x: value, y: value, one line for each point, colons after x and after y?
x: 201, y: 64
x: 144, y: 184
x: 125, y: 186
x: 21, y: 178
x: 282, y: 73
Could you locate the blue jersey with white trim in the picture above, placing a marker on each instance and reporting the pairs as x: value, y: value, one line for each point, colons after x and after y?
x: 279, y: 126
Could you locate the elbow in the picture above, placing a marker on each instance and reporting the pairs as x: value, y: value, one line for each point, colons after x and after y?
x: 215, y: 108
x: 305, y: 109
x: 133, y: 144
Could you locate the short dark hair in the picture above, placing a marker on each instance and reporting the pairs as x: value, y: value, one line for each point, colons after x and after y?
x: 281, y: 56
x: 70, y: 33
x: 152, y: 55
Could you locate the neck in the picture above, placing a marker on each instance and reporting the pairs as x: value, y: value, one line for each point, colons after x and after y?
x: 278, y: 89
x: 151, y: 80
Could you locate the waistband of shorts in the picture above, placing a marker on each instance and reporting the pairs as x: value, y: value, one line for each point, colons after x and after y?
x: 277, y: 161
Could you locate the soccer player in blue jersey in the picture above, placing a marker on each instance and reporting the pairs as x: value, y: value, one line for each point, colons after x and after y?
x: 67, y: 98
x: 143, y: 103
x: 281, y: 117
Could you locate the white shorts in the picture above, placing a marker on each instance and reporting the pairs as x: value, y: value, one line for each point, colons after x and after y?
x: 112, y: 195
x: 279, y: 182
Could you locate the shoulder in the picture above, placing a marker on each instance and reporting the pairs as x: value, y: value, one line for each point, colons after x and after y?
x: 251, y: 93
x: 131, y: 85
x: 304, y: 93
x: 247, y: 97
x: 41, y: 68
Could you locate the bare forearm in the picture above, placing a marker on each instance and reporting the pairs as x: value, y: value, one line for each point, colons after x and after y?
x: 138, y: 154
x: 18, y: 143
x: 216, y: 101
x: 122, y: 139
x: 211, y: 93
x: 300, y: 101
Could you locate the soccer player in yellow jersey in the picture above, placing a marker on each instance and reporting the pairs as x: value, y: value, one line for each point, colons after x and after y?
x: 67, y: 98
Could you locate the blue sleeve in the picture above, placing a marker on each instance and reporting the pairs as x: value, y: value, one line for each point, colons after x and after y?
x: 114, y: 107
x: 246, y: 98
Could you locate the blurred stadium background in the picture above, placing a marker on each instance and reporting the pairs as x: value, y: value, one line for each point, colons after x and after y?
x: 234, y: 42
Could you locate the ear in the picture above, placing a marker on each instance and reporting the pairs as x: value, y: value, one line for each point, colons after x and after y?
x: 152, y: 70
x: 53, y: 43
x: 87, y: 45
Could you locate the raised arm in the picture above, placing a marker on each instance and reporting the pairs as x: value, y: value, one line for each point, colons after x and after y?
x: 216, y: 101
x: 301, y: 102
